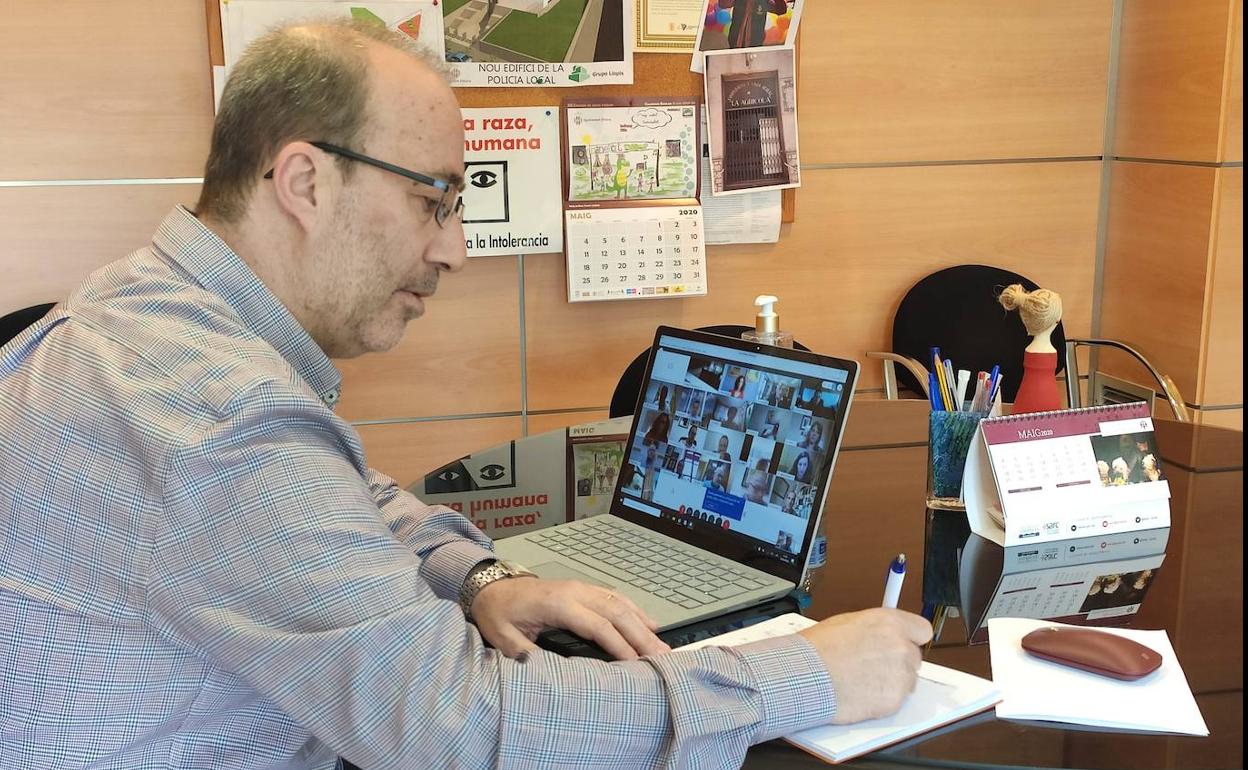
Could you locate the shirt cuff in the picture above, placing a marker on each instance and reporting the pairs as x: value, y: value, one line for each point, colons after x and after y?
x: 796, y: 690
x: 447, y: 566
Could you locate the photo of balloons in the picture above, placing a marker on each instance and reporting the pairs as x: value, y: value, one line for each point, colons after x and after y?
x: 718, y: 32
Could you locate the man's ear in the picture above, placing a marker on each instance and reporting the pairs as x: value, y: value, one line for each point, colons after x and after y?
x: 301, y: 183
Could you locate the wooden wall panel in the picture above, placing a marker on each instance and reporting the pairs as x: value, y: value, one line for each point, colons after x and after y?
x: 461, y: 357
x: 875, y: 422
x: 407, y: 451
x: 905, y: 81
x: 840, y: 270
x: 1171, y: 79
x: 95, y: 90
x: 1233, y: 112
x: 1223, y: 366
x: 51, y: 238
x: 1220, y: 418
x: 540, y: 423
x: 1157, y: 252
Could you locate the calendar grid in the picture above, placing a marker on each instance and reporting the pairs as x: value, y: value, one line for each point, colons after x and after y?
x: 635, y: 253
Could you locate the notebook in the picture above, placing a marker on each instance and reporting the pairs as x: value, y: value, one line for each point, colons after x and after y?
x: 941, y: 696
x: 725, y: 476
x: 1050, y: 476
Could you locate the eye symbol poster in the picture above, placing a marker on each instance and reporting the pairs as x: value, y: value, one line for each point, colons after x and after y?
x: 511, y: 181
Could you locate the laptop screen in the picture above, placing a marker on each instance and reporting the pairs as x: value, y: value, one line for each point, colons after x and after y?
x: 732, y: 447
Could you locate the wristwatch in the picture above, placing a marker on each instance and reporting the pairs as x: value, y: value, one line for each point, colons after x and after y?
x: 482, y: 575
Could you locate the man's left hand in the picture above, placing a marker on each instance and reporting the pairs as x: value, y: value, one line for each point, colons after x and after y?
x: 511, y: 613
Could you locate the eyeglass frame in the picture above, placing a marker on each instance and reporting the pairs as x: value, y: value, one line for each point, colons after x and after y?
x: 442, y: 213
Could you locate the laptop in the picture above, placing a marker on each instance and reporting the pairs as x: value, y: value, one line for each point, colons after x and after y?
x: 726, y: 472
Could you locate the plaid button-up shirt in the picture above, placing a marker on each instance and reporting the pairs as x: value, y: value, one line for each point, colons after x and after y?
x: 199, y: 570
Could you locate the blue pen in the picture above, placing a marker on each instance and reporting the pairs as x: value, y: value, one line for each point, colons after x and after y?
x: 892, y: 586
x: 992, y: 384
x: 933, y: 394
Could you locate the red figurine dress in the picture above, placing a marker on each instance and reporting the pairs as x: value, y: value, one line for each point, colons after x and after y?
x: 1038, y: 390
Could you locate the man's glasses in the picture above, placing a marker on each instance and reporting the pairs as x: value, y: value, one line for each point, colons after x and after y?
x: 451, y: 203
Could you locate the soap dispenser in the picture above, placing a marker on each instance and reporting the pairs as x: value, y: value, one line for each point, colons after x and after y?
x: 767, y: 324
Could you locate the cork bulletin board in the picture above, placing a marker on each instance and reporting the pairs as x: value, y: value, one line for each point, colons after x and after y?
x: 654, y: 74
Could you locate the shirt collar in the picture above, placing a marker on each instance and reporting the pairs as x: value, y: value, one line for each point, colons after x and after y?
x: 213, y: 265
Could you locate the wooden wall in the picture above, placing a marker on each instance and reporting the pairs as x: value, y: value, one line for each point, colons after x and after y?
x: 1175, y: 226
x: 932, y: 134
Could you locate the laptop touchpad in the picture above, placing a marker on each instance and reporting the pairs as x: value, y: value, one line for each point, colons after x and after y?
x: 553, y: 570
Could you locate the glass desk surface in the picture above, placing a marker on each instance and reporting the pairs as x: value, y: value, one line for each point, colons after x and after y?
x: 1197, y: 598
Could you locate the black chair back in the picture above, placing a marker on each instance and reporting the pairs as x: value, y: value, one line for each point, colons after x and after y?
x: 957, y: 310
x: 18, y: 321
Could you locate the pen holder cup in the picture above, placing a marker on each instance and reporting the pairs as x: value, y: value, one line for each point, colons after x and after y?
x: 949, y: 437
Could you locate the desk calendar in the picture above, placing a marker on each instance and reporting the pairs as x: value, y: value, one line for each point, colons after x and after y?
x: 633, y: 225
x: 1098, y: 580
x: 635, y: 252
x: 1068, y: 474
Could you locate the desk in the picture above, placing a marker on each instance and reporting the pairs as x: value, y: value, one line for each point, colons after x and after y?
x: 1197, y: 598
x: 878, y: 487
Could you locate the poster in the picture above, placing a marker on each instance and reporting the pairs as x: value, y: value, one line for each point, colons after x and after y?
x: 242, y: 21
x: 751, y: 107
x: 646, y: 150
x: 668, y: 26
x: 532, y: 482
x: 511, y: 181
x: 500, y: 43
x: 633, y: 224
x: 745, y: 25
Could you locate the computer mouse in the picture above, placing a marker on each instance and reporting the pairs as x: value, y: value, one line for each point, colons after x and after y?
x: 1090, y: 650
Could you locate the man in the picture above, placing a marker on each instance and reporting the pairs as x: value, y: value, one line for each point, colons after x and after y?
x: 197, y: 567
x: 719, y: 478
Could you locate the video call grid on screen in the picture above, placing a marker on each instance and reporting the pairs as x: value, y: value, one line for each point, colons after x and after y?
x: 735, y: 440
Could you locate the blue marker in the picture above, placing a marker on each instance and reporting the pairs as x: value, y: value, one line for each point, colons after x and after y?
x: 896, y: 576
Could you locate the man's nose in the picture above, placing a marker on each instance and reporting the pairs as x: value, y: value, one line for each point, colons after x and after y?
x: 451, y: 251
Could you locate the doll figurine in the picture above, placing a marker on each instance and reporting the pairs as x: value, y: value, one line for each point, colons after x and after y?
x: 1041, y: 310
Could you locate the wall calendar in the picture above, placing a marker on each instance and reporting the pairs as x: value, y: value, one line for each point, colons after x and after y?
x: 632, y: 222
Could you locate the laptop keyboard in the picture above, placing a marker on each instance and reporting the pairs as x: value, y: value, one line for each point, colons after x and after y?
x: 648, y: 562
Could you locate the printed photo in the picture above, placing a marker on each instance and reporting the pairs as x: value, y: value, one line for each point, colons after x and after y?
x: 1127, y: 459
x: 545, y: 42
x: 751, y: 103
x: 1118, y: 590
x: 596, y: 466
x: 745, y: 24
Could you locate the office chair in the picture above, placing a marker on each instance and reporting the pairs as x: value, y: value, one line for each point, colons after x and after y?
x: 17, y: 322
x: 624, y: 399
x: 1169, y: 388
x: 956, y: 309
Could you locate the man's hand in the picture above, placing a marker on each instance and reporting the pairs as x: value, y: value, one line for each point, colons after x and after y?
x: 511, y: 613
x: 872, y: 657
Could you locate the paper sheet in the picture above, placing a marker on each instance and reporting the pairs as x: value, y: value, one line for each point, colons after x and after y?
x: 942, y: 695
x: 668, y: 26
x: 751, y: 218
x: 1041, y: 690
